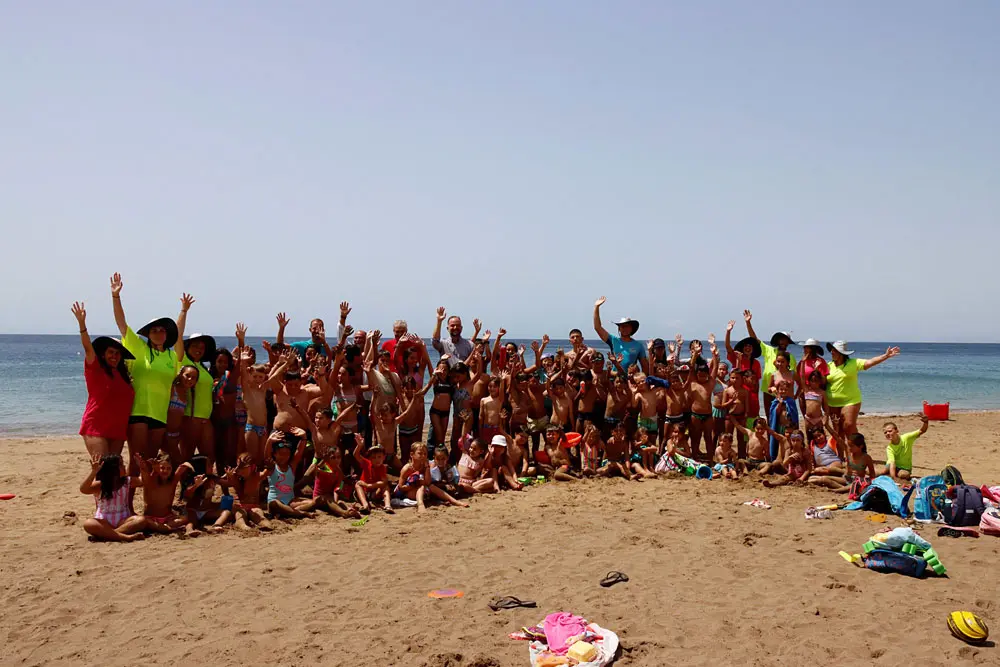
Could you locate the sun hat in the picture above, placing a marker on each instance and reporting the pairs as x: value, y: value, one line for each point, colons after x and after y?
x: 751, y: 341
x: 498, y: 441
x: 839, y: 346
x: 779, y: 335
x: 167, y: 324
x: 209, y: 342
x: 629, y: 320
x: 812, y: 342
x: 102, y: 343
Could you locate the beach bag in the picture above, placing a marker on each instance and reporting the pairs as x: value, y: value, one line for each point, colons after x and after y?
x: 967, y: 506
x: 989, y: 523
x: 930, y: 498
x: 951, y: 476
x: 883, y: 495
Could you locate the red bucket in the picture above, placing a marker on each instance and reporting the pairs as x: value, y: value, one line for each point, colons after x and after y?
x: 937, y: 412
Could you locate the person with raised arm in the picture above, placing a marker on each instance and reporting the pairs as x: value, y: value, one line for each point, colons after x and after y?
x: 843, y: 393
x: 104, y: 426
x: 156, y: 362
x: 632, y: 351
x: 769, y: 351
x: 457, y: 348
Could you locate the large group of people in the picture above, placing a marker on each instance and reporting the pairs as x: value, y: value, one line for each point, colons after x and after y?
x: 341, y: 425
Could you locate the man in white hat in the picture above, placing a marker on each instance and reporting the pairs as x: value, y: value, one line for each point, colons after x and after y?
x: 632, y: 351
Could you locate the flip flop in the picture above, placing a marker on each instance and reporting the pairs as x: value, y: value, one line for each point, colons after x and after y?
x: 613, y: 577
x: 957, y: 532
x: 511, y: 602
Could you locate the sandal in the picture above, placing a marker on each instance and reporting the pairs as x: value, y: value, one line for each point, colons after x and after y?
x: 614, y: 577
x: 511, y: 602
x: 955, y: 532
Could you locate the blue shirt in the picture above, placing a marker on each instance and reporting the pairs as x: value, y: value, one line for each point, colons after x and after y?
x: 631, y: 351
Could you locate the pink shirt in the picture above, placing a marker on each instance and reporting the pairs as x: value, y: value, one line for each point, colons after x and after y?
x: 109, y: 403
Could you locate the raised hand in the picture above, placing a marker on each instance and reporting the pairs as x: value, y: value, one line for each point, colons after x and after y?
x: 711, y: 339
x: 441, y: 314
x: 241, y: 332
x: 376, y: 336
x: 289, y: 356
x: 545, y: 339
x: 282, y: 320
x: 747, y: 316
x: 297, y: 432
x: 345, y: 310
x: 476, y: 324
x: 186, y: 302
x: 729, y: 327
x: 486, y: 336
x: 501, y: 333
x: 266, y: 344
x: 521, y: 349
x: 116, y: 284
x: 348, y: 330
x: 891, y: 352
x: 81, y: 313
x: 95, y: 461
x: 679, y: 339
x: 534, y: 346
x: 600, y: 301
x: 671, y: 347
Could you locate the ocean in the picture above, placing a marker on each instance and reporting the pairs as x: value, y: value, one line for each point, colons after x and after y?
x: 42, y: 390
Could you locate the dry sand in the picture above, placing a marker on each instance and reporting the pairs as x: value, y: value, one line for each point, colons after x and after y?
x: 713, y: 582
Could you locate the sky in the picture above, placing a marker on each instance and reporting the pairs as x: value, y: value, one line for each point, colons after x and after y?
x: 833, y: 166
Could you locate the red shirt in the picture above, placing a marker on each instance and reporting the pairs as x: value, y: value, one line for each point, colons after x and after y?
x: 397, y: 350
x: 371, y: 473
x: 743, y: 363
x: 109, y: 403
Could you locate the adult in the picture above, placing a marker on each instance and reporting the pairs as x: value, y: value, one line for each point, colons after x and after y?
x: 400, y: 345
x: 197, y: 431
x: 457, y: 348
x: 812, y: 360
x: 317, y: 338
x: 156, y: 362
x: 769, y: 352
x: 632, y: 351
x: 843, y: 393
x: 104, y: 426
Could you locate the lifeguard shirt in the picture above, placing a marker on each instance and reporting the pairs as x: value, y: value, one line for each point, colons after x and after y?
x: 203, y: 391
x: 152, y: 377
x: 842, y: 383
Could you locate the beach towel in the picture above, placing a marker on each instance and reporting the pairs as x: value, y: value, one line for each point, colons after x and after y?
x: 559, y: 627
x: 884, y: 495
x: 791, y: 410
x: 605, y: 640
x: 678, y: 463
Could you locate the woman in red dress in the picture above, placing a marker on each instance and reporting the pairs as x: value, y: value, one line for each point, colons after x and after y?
x: 109, y: 391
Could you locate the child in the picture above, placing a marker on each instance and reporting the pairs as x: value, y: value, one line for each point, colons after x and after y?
x: 590, y: 451
x: 562, y: 403
x: 783, y: 415
x: 411, y: 418
x: 782, y: 372
x: 899, y: 452
x: 616, y: 452
x: 797, y: 463
x: 645, y: 402
x: 813, y: 400
x: 201, y: 507
x: 247, y: 478
x: 327, y: 432
x: 384, y: 425
x: 471, y: 470
x: 859, y: 465
x: 280, y: 471
x: 734, y: 402
x: 826, y: 458
x: 444, y: 476
x: 159, y: 484
x: 328, y: 476
x: 758, y: 443
x: 517, y: 452
x: 110, y: 485
x: 489, y: 410
x: 558, y: 467
x: 254, y: 381
x: 498, y: 464
x: 643, y: 458
x: 373, y: 476
x: 181, y: 393
x: 440, y: 412
x: 725, y: 459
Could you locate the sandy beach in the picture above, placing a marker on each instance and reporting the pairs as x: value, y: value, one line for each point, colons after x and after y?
x: 713, y: 582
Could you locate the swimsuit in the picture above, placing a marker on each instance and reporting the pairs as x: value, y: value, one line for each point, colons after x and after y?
x: 176, y: 403
x: 675, y: 419
x: 160, y: 519
x: 590, y: 457
x: 280, y: 485
x: 116, y: 509
x: 408, y: 430
x: 473, y: 468
x: 700, y: 416
x: 253, y: 428
x: 647, y: 424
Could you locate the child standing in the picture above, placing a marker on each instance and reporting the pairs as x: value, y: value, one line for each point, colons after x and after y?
x: 813, y: 400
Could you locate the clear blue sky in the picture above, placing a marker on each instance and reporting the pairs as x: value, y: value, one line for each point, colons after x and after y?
x: 835, y: 166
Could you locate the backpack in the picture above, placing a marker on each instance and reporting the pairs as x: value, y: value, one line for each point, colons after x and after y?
x: 952, y: 477
x: 930, y: 498
x: 858, y: 486
x: 967, y: 507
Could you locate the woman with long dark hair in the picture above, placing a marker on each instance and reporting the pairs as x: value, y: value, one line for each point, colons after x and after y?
x: 104, y: 426
x: 153, y: 372
x: 199, y: 350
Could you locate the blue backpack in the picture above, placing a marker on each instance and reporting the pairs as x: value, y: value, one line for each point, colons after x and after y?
x: 930, y: 498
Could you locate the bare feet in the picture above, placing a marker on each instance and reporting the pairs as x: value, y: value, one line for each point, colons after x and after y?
x: 134, y: 537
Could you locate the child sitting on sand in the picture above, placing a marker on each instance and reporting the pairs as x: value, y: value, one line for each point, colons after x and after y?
x: 643, y: 458
x: 559, y: 467
x: 202, y: 508
x: 590, y: 450
x: 758, y: 443
x: 280, y: 469
x: 110, y: 485
x: 859, y: 465
x: 616, y: 452
x: 327, y: 474
x: 247, y: 479
x: 499, y: 466
x: 373, y: 475
x: 443, y: 475
x: 726, y: 462
x: 414, y: 482
x: 159, y: 484
x: 796, y: 464
x: 474, y: 477
x: 899, y: 452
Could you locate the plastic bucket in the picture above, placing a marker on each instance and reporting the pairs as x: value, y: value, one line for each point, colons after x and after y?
x: 703, y: 472
x: 937, y: 412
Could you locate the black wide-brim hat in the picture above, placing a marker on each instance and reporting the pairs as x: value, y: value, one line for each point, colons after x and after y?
x: 167, y: 324
x: 752, y: 341
x: 102, y: 343
x: 210, y: 346
x: 776, y: 338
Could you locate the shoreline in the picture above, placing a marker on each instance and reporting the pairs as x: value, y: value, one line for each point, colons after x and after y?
x: 864, y: 415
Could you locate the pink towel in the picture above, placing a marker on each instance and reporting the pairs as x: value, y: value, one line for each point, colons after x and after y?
x: 559, y: 627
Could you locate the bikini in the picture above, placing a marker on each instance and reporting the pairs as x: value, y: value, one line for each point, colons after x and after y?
x: 473, y: 467
x: 443, y: 388
x: 176, y: 404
